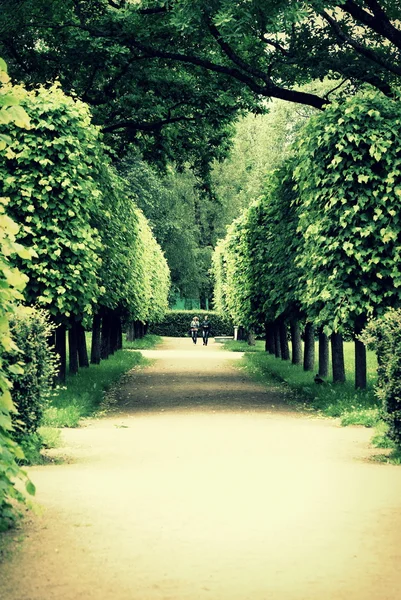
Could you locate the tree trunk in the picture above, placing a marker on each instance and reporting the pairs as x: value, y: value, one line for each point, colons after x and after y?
x: 337, y: 358
x: 296, y: 343
x: 130, y: 332
x: 241, y: 334
x: 115, y: 325
x: 119, y: 335
x: 95, y: 348
x: 309, y: 350
x: 360, y: 365
x: 269, y: 338
x: 60, y: 349
x: 285, y: 351
x: 82, y: 349
x: 323, y: 354
x: 251, y: 338
x: 277, y: 341
x: 145, y: 328
x: 73, y: 347
x: 105, y: 337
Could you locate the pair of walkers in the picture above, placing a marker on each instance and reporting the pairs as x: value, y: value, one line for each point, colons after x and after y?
x: 204, y: 326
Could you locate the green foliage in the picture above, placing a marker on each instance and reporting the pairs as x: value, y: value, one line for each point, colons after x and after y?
x: 84, y: 393
x: 349, y: 182
x: 47, y: 172
x: 260, y: 145
x: 12, y: 283
x: 161, y: 110
x: 181, y: 218
x: 176, y: 323
x: 384, y: 335
x: 257, y: 279
x: 32, y: 369
x: 274, y: 245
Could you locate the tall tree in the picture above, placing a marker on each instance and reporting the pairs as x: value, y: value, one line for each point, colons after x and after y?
x: 171, y: 74
x: 350, y: 188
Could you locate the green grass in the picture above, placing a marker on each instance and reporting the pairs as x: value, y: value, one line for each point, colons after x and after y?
x: 234, y: 346
x: 356, y: 407
x: 145, y: 343
x: 83, y: 393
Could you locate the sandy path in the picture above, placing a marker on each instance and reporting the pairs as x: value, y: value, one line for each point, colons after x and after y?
x: 198, y: 488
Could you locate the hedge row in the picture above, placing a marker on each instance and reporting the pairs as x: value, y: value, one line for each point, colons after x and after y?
x: 31, y: 388
x: 177, y: 323
x: 384, y: 336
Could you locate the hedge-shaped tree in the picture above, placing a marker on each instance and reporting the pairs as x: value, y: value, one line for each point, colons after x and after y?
x: 384, y: 336
x: 12, y: 283
x: 274, y: 245
x: 48, y: 174
x: 349, y: 181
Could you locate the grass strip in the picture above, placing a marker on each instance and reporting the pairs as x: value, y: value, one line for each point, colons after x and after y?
x: 354, y: 407
x: 146, y: 343
x: 83, y: 393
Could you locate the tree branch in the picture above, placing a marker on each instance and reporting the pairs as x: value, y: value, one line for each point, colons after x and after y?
x: 337, y: 87
x: 360, y: 48
x: 268, y: 90
x: 229, y: 52
x: 138, y: 126
x: 378, y: 22
x: 275, y: 45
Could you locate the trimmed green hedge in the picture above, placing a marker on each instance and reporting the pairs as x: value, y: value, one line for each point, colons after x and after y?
x: 32, y: 369
x: 384, y: 336
x: 177, y: 323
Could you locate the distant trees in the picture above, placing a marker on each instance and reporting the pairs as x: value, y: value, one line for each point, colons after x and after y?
x: 322, y: 244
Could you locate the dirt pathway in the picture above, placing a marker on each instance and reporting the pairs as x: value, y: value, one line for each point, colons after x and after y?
x: 204, y: 486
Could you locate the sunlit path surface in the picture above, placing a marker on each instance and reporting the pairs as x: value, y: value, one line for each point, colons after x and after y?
x: 203, y: 485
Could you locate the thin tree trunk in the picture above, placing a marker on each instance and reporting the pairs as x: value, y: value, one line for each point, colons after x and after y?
x: 285, y: 351
x: 95, y: 348
x: 119, y: 335
x: 82, y: 349
x: 60, y: 349
x: 73, y: 347
x: 130, y: 332
x: 115, y: 324
x: 142, y: 329
x: 269, y: 338
x: 277, y: 341
x: 323, y: 354
x: 309, y: 350
x: 251, y: 337
x: 337, y: 358
x: 360, y: 365
x: 105, y: 337
x: 296, y: 342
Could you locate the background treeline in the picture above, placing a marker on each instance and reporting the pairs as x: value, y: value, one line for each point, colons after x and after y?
x: 176, y: 323
x: 318, y: 253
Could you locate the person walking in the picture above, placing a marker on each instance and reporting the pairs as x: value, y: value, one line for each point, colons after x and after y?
x: 205, y: 329
x: 194, y: 329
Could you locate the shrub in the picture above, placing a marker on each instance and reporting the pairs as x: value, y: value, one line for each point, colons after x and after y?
x: 31, y: 329
x: 176, y: 323
x: 384, y: 335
